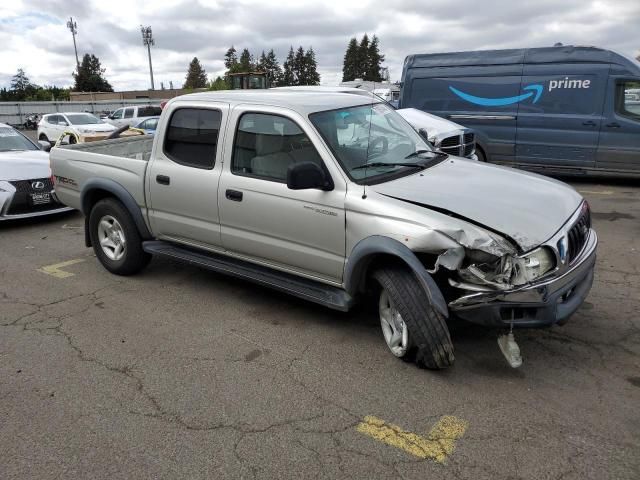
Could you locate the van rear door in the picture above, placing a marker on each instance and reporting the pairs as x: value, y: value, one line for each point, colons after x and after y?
x: 561, y: 126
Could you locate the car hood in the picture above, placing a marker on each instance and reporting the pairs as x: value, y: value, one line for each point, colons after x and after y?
x: 525, y: 207
x: 432, y: 123
x: 24, y: 165
x: 96, y: 127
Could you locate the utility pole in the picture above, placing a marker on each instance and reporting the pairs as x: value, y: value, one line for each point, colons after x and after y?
x: 147, y: 39
x: 73, y: 26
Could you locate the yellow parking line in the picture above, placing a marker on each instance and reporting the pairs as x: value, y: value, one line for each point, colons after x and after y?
x: 55, y: 270
x: 438, y: 445
x: 597, y: 192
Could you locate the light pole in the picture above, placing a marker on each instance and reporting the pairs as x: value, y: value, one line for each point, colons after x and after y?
x: 147, y: 39
x: 73, y: 26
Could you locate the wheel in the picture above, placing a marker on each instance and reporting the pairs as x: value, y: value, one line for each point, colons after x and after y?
x: 412, y: 328
x: 115, y: 238
x: 44, y: 138
x: 480, y: 154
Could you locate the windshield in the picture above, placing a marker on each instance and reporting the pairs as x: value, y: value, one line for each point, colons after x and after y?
x: 10, y: 140
x: 373, y: 135
x: 83, y: 119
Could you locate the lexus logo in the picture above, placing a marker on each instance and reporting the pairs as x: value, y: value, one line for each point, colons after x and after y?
x: 37, y: 185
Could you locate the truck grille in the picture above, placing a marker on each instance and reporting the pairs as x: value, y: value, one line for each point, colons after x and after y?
x: 461, y: 145
x: 578, y: 234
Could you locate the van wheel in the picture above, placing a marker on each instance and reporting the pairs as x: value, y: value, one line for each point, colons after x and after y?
x: 480, y: 154
x: 115, y: 238
x: 412, y: 328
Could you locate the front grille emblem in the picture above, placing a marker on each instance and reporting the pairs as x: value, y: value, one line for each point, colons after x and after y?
x: 38, y: 185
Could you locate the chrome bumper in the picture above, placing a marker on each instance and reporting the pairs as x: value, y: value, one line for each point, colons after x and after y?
x: 545, y: 303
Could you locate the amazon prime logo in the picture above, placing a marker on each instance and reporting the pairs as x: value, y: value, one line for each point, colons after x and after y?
x: 37, y: 185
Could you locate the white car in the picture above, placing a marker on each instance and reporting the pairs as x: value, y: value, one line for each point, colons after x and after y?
x: 26, y: 185
x: 132, y: 115
x: 81, y: 124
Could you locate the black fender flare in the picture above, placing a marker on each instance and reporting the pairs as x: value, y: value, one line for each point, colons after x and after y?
x: 369, y: 248
x: 119, y: 192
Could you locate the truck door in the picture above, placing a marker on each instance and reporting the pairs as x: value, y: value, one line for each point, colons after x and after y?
x: 183, y: 175
x: 561, y: 125
x: 619, y: 147
x: 264, y: 221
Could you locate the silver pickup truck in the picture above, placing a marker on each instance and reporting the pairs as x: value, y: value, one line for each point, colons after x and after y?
x: 336, y: 199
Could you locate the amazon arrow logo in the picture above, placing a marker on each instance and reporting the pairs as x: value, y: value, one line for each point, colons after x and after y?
x: 536, y: 91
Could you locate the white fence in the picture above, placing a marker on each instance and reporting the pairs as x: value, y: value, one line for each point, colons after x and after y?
x: 15, y: 113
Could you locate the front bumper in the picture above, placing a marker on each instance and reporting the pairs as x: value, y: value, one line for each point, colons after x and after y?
x: 542, y: 304
x: 14, y: 206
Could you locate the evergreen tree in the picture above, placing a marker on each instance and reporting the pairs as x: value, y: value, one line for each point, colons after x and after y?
x: 20, y: 83
x: 299, y: 67
x: 363, y: 57
x: 288, y: 77
x: 89, y: 77
x: 350, y: 63
x: 231, y: 59
x: 311, y: 77
x: 374, y: 61
x: 269, y: 64
x: 246, y: 62
x: 196, y: 76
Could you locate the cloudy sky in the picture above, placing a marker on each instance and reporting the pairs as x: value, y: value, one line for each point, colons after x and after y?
x: 34, y: 36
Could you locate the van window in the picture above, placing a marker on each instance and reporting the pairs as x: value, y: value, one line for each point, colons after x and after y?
x: 128, y: 113
x: 562, y: 94
x: 628, y: 99
x: 117, y: 114
x: 192, y: 137
x: 149, y: 111
x: 265, y: 146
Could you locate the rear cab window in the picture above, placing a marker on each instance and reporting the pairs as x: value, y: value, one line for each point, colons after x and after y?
x: 191, y: 138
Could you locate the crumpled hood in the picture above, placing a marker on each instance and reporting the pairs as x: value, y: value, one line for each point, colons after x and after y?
x: 526, y: 207
x: 24, y: 165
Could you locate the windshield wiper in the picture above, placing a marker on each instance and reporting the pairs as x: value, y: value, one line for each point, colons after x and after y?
x: 422, y: 152
x: 389, y: 164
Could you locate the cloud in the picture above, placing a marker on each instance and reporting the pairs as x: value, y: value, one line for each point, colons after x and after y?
x: 35, y: 37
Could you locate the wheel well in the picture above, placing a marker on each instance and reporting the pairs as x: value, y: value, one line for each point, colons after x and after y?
x: 482, y: 152
x: 94, y: 196
x: 373, y: 263
x: 42, y: 137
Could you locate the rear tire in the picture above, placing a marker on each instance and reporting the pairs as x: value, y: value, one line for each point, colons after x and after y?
x: 428, y: 342
x: 115, y: 238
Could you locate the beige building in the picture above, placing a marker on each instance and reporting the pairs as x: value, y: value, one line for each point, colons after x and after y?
x: 131, y: 95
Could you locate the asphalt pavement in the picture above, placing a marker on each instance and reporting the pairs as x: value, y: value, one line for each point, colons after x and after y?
x: 182, y: 373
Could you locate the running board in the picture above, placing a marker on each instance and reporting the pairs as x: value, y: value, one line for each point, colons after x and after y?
x: 306, y: 289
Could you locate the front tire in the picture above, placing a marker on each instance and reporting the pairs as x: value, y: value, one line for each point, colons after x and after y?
x: 115, y: 238
x: 44, y: 138
x: 413, y: 329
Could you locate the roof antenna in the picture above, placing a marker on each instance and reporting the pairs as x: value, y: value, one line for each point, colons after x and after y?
x: 366, y: 160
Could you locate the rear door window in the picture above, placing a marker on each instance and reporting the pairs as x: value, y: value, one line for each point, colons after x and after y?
x: 192, y: 137
x: 128, y: 113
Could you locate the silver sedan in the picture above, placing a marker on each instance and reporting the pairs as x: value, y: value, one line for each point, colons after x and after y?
x: 26, y: 185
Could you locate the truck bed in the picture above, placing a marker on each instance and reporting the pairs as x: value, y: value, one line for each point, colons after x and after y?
x: 123, y: 161
x: 138, y: 147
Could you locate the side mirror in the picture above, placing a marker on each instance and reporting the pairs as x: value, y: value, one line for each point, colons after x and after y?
x: 424, y: 134
x: 44, y: 145
x: 306, y: 175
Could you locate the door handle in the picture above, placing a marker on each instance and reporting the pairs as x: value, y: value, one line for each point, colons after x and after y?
x: 163, y: 179
x: 613, y: 125
x: 234, y: 195
x: 589, y: 123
